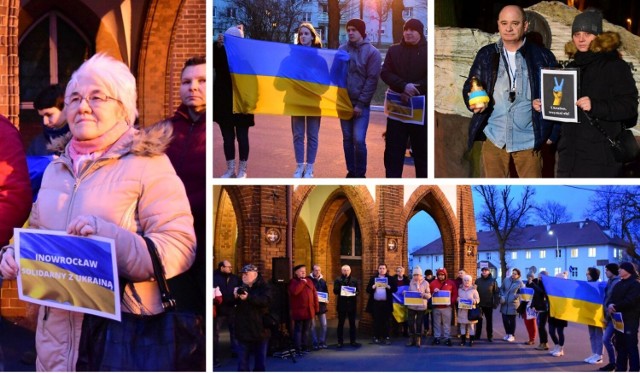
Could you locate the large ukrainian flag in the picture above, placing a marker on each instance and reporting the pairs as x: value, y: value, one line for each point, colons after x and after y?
x: 577, y: 301
x: 287, y: 79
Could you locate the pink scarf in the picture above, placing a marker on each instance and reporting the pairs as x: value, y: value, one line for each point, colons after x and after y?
x: 83, y: 150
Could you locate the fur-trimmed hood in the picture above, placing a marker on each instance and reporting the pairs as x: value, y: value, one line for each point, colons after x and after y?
x: 606, y: 42
x: 149, y: 141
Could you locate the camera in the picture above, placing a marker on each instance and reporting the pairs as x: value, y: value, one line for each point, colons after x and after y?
x: 242, y: 290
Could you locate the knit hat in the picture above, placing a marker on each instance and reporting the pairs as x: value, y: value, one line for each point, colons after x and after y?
x: 613, y: 268
x: 589, y: 21
x: 298, y: 267
x: 414, y: 24
x: 441, y: 271
x: 629, y: 267
x: 417, y: 270
x: 234, y: 31
x: 359, y: 25
x: 428, y: 272
x: 484, y: 269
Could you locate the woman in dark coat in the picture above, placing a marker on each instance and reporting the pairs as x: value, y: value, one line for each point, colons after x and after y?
x: 608, y: 96
x: 233, y: 126
x: 380, y: 303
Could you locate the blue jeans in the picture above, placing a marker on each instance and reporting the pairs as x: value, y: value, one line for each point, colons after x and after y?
x: 607, y: 339
x: 320, y: 337
x: 312, y: 127
x: 354, y: 133
x: 595, y: 336
x: 258, y: 349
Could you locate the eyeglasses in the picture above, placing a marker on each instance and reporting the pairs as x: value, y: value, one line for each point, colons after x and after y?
x: 94, y: 99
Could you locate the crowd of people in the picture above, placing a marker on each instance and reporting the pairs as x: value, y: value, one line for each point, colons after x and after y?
x: 107, y: 176
x: 404, y: 70
x: 440, y: 305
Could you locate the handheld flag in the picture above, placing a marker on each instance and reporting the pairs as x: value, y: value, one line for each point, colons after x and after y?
x: 577, y: 301
x: 399, y: 310
x: 288, y: 79
x: 526, y: 294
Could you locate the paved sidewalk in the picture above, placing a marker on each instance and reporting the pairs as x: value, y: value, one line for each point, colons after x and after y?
x: 499, y: 356
x: 14, y: 342
x: 271, y: 149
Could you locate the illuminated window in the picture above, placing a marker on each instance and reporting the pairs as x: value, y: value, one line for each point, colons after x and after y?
x: 527, y: 254
x: 592, y: 252
x: 574, y: 253
x: 543, y: 254
x: 514, y: 255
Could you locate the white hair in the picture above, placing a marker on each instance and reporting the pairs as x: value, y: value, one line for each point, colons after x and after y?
x: 346, y: 266
x: 466, y: 278
x: 115, y: 76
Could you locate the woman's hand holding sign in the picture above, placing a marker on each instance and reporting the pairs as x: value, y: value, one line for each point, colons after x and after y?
x: 8, y: 266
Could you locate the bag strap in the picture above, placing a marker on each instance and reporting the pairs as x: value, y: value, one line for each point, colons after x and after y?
x: 594, y: 123
x: 168, y: 302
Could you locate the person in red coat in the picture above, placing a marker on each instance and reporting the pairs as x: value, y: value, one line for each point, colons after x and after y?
x: 187, y: 152
x: 442, y: 313
x: 303, y: 304
x: 15, y: 198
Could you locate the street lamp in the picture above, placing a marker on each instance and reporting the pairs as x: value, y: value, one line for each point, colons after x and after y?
x: 557, y: 244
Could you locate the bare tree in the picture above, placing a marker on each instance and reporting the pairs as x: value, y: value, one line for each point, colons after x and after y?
x: 618, y: 208
x: 397, y: 21
x: 503, y: 215
x: 274, y: 20
x: 381, y: 11
x: 336, y: 9
x: 552, y: 212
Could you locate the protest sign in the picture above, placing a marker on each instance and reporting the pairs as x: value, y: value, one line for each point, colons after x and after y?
x: 381, y: 282
x: 441, y: 298
x: 559, y: 94
x: 323, y: 297
x: 347, y: 291
x: 465, y: 304
x: 413, y: 298
x: 73, y: 273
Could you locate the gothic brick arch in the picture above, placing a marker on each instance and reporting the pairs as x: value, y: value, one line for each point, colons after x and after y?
x: 431, y: 199
x: 227, y: 243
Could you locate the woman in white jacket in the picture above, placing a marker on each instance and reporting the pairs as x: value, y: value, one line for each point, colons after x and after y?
x: 416, y: 312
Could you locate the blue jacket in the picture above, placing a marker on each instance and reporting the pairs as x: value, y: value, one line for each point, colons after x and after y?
x: 485, y: 68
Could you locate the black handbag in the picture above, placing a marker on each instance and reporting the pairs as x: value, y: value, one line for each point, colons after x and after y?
x: 169, y: 341
x: 624, y: 147
x: 474, y: 314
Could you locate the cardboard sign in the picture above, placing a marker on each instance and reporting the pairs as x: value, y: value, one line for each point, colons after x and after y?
x: 413, y: 298
x: 347, y: 291
x: 441, y: 298
x: 465, y: 304
x: 323, y: 297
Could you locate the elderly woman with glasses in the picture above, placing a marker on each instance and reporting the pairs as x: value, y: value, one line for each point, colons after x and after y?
x: 113, y: 181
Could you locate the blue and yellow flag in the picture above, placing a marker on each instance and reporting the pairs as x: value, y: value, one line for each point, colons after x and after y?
x: 399, y: 310
x: 288, y: 79
x: 526, y: 294
x: 576, y: 301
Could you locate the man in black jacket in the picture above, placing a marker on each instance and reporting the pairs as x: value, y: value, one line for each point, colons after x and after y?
x: 488, y: 291
x: 625, y: 298
x: 381, y: 289
x: 319, y: 339
x: 405, y: 71
x: 252, y: 300
x: 346, y: 305
x: 227, y: 282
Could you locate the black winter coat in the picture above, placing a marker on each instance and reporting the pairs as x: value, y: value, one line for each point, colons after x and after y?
x: 223, y: 93
x: 249, y: 313
x: 487, y: 290
x: 345, y: 303
x: 393, y: 287
x: 321, y: 285
x: 226, y: 283
x: 406, y: 63
x: 540, y: 301
x: 625, y: 296
x: 607, y: 80
x: 485, y: 67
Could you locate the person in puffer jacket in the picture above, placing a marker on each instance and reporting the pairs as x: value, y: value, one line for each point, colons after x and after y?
x: 112, y: 181
x: 416, y: 312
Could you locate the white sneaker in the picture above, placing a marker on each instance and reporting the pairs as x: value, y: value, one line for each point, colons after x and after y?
x: 597, y: 359
x: 554, y: 349
x: 588, y: 359
x: 511, y: 338
x: 506, y: 337
x: 560, y: 352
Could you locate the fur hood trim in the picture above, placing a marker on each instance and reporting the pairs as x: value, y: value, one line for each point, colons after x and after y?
x: 605, y: 42
x: 150, y: 141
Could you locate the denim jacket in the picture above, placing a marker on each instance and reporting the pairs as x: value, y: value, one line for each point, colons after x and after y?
x: 485, y: 67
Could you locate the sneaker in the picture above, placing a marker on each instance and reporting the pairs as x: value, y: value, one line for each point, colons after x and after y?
x: 323, y: 346
x: 588, y: 359
x: 316, y: 347
x: 299, y: 170
x: 554, y: 349
x: 608, y: 368
x: 511, y: 338
x: 506, y: 337
x: 597, y: 359
x: 559, y: 352
x: 376, y: 341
